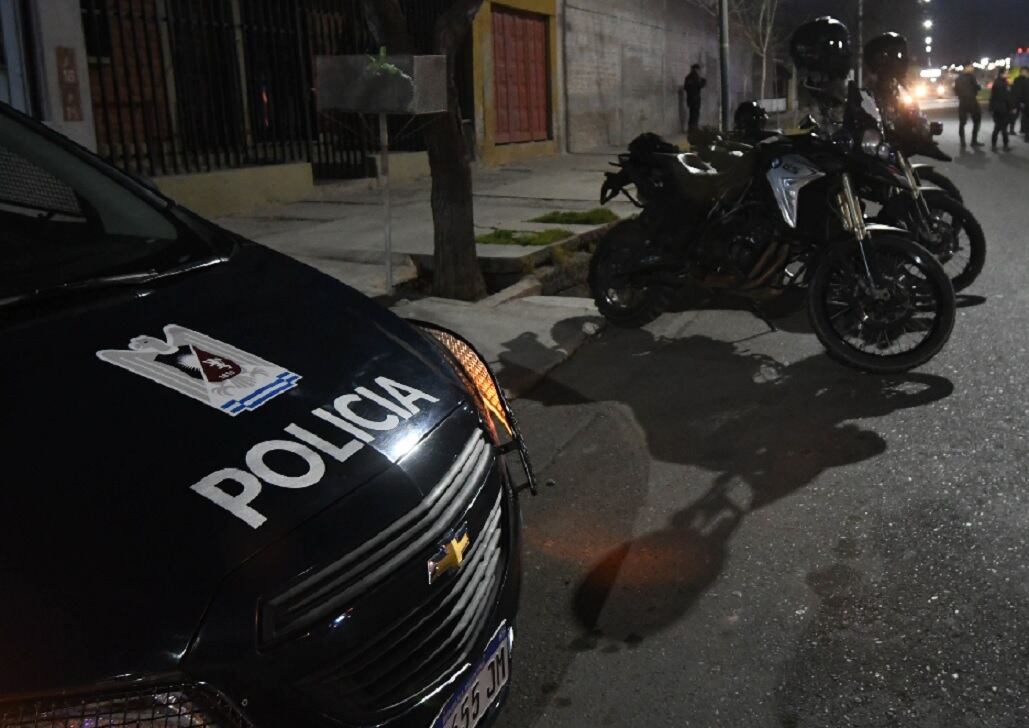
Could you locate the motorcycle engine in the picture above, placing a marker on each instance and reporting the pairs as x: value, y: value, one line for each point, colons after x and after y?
x: 737, y: 246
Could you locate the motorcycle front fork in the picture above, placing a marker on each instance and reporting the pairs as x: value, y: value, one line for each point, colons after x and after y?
x: 855, y: 222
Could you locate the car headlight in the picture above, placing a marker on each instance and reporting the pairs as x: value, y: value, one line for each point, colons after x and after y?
x: 871, y: 140
x: 476, y: 375
x: 176, y: 705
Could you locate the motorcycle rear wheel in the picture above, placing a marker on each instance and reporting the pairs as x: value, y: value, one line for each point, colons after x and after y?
x: 617, y: 298
x: 865, y: 332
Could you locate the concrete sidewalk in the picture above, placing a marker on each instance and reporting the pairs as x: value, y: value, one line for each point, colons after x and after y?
x: 341, y: 231
x: 521, y: 334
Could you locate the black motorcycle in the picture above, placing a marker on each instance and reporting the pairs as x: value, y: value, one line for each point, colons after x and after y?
x: 936, y: 219
x: 882, y: 174
x: 907, y: 129
x: 780, y: 214
x: 912, y: 134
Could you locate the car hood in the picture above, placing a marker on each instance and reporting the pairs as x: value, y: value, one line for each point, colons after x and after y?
x: 120, y: 479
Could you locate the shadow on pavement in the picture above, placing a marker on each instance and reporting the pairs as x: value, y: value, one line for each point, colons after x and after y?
x: 763, y: 430
x: 970, y: 300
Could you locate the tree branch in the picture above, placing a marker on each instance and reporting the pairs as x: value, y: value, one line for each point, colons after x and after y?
x: 388, y: 25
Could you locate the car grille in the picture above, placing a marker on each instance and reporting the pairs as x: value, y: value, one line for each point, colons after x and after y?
x: 432, y: 637
x: 170, y: 706
x: 431, y: 641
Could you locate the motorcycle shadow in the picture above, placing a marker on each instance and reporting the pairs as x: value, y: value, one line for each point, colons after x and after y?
x: 762, y: 429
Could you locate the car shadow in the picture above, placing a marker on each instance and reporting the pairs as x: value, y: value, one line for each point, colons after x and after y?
x: 760, y: 428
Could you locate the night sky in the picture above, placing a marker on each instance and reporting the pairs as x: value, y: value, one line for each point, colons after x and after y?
x: 966, y: 30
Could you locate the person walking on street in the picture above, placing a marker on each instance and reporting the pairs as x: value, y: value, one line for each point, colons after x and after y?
x: 1000, y: 107
x: 1020, y: 99
x: 967, y: 90
x: 693, y: 85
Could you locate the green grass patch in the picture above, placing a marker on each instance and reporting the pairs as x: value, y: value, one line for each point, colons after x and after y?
x: 512, y: 237
x: 596, y: 216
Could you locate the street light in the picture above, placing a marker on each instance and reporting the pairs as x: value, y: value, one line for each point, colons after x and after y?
x: 928, y: 39
x: 927, y: 24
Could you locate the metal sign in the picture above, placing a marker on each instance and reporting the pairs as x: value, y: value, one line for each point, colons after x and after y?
x: 382, y: 85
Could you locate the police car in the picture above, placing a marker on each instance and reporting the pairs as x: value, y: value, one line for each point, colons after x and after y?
x: 235, y: 491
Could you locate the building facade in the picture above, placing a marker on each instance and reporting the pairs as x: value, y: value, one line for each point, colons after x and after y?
x: 625, y: 62
x: 215, y: 100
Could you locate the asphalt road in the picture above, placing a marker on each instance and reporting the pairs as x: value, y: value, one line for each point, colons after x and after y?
x: 747, y: 534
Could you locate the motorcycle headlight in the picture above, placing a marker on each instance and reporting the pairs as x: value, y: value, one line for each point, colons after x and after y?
x: 871, y: 140
x: 175, y: 705
x: 477, y: 377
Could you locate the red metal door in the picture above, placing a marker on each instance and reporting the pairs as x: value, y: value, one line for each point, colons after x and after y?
x: 521, y: 88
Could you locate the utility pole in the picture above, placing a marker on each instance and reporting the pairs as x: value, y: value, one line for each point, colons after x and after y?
x: 723, y: 37
x: 861, y: 42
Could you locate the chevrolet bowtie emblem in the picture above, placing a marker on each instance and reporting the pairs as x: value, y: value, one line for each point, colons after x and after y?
x: 451, y: 553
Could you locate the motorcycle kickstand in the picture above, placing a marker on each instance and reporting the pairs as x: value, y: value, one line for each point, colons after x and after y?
x: 755, y: 308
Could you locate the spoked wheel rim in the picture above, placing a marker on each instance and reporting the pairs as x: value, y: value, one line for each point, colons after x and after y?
x: 896, y: 317
x: 952, y: 244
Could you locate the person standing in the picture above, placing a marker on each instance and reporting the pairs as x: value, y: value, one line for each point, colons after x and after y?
x: 692, y: 86
x: 967, y: 90
x: 1000, y: 107
x: 1020, y: 99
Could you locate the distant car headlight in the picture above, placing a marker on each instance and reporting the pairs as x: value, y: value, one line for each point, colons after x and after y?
x: 175, y: 705
x: 871, y: 140
x: 921, y: 91
x: 940, y: 90
x: 477, y: 377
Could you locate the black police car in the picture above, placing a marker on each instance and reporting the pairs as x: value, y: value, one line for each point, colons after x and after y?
x: 235, y: 491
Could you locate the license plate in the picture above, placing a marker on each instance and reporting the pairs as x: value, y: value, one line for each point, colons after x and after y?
x: 472, y: 701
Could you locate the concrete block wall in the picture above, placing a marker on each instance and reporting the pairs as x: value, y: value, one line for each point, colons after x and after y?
x: 624, y: 63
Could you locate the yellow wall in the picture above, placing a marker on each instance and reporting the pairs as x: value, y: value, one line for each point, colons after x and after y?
x: 485, y: 109
x: 234, y: 191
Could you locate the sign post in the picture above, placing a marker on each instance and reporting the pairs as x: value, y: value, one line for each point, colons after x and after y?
x: 383, y: 85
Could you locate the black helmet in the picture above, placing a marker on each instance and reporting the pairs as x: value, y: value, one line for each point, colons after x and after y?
x: 886, y: 56
x: 750, y: 117
x: 822, y: 45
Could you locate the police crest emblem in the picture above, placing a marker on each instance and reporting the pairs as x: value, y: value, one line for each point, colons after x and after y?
x: 208, y: 370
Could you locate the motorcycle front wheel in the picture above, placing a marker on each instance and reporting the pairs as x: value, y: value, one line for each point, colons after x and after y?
x: 932, y: 177
x: 959, y: 243
x: 619, y: 298
x: 900, y: 323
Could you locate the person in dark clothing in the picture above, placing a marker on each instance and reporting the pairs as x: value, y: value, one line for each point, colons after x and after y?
x: 1020, y: 98
x: 693, y: 85
x: 1000, y: 107
x: 967, y: 90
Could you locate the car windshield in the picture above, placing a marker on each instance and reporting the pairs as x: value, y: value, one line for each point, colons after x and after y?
x: 64, y: 221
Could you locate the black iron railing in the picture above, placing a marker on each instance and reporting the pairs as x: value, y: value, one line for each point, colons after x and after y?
x: 186, y: 86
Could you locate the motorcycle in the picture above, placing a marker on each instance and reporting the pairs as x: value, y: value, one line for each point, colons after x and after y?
x: 884, y: 175
x: 780, y: 214
x: 910, y: 132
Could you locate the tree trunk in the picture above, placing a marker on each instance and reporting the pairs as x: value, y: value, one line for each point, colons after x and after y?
x: 457, y: 273
x: 456, y: 262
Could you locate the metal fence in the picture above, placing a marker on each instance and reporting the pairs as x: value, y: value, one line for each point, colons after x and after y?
x: 185, y: 86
